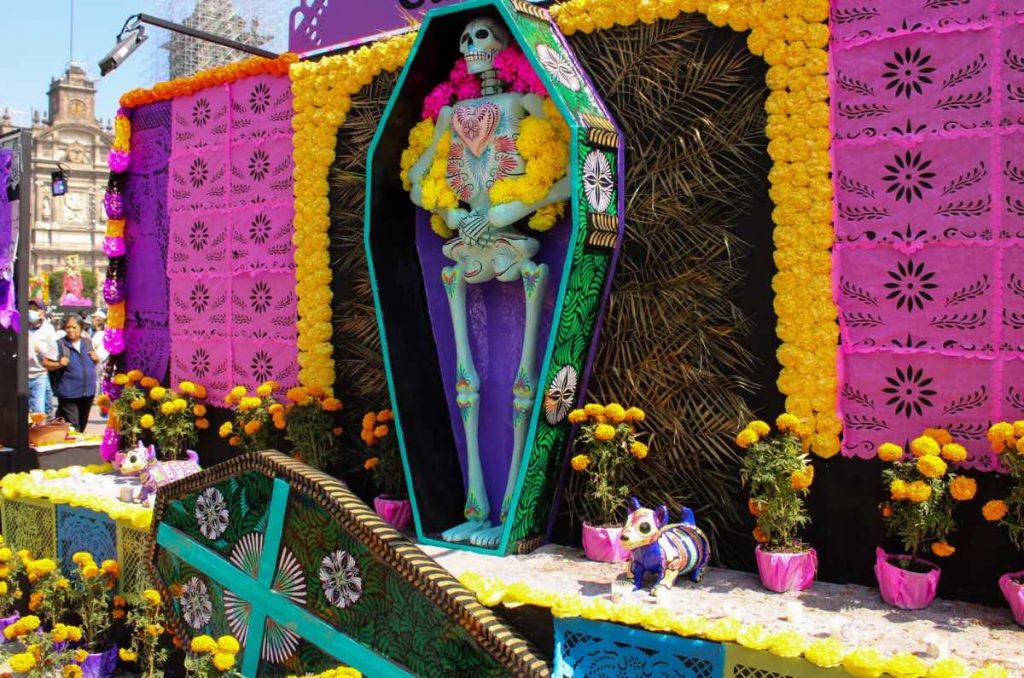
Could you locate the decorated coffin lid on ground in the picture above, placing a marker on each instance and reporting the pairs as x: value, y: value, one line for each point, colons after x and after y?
x: 306, y: 577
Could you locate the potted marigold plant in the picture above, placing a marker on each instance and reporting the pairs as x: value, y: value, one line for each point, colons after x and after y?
x: 176, y: 426
x: 608, y: 451
x: 310, y: 424
x: 779, y: 475
x: 1008, y: 441
x: 251, y: 428
x: 45, y: 654
x: 384, y: 462
x: 93, y: 586
x: 147, y: 623
x: 209, y: 657
x: 10, y: 592
x: 922, y: 493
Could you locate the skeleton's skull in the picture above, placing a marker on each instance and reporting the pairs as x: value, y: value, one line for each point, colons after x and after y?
x: 481, y: 42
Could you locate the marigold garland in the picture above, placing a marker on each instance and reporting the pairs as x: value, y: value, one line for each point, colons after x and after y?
x: 322, y: 92
x: 792, y: 37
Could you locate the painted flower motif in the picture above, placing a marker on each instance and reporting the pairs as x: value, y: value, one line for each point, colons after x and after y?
x: 201, y: 362
x: 201, y: 112
x: 598, y: 184
x: 262, y: 366
x: 259, y: 98
x: 260, y: 297
x: 195, y: 603
x: 558, y: 67
x: 212, y: 513
x: 199, y: 236
x: 907, y: 71
x: 199, y: 297
x: 908, y: 175
x: 909, y: 391
x: 198, y: 172
x: 910, y: 285
x: 339, y: 575
x: 259, y: 164
x: 561, y: 394
x: 259, y: 228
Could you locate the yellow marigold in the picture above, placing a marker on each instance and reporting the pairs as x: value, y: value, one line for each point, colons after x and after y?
x: 154, y: 630
x: 753, y: 637
x: 615, y: 412
x: 919, y: 492
x: 135, y: 375
x: 948, y: 667
x: 931, y: 466
x: 890, y: 452
x: 801, y: 480
x: 994, y: 510
x: 121, y: 379
x: 746, y: 438
x: 228, y: 644
x: 152, y: 596
x: 81, y: 558
x: 898, y: 490
x: 787, y: 644
x: 111, y: 567
x: 90, y: 571
x: 225, y: 429
x: 604, y: 432
x: 370, y: 463
x: 635, y: 414
x: 187, y: 387
x: 147, y: 421
x: 127, y: 655
x: 167, y: 408
x: 238, y: 392
x: 23, y: 662
x: 905, y: 665
x: 264, y: 390
x: 942, y: 549
x: 963, y: 488
x: 924, y: 446
x: 580, y: 462
x: 253, y: 427
x: 954, y: 453
x: 180, y: 404
x: 939, y: 435
x: 827, y: 653
x: 638, y: 449
x: 331, y: 405
x: 723, y: 630
x: 991, y: 671
x: 761, y: 428
x: 594, y: 410
x: 222, y: 661
x: 577, y: 417
x: 157, y: 392
x: 787, y: 422
x: 203, y: 644
x: 81, y: 655
x: 864, y: 662
x: 1000, y: 431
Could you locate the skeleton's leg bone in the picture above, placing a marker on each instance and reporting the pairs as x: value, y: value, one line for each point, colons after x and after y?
x: 524, y: 390
x: 468, y: 400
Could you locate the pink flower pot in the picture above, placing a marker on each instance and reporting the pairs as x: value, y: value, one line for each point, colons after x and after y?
x: 604, y: 544
x: 395, y: 512
x: 781, y: 572
x: 1014, y: 594
x: 902, y: 588
x: 4, y: 623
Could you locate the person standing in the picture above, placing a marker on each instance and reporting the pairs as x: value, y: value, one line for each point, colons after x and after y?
x: 41, y: 346
x: 98, y: 333
x: 75, y: 374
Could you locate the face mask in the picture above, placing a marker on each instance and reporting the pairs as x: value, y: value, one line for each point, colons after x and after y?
x: 33, y: 316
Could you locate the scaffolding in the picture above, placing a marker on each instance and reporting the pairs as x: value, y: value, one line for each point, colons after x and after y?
x: 261, y: 23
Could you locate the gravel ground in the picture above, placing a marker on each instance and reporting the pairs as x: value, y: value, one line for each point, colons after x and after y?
x: 974, y: 633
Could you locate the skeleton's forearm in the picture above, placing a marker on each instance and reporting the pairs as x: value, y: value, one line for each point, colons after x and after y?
x: 509, y: 213
x: 420, y: 168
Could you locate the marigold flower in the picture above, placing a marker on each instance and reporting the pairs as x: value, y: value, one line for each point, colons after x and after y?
x: 118, y: 614
x: 225, y: 429
x: 615, y: 413
x: 919, y: 492
x: 604, y: 432
x: 152, y: 596
x: 223, y: 661
x: 81, y: 558
x: 754, y: 507
x: 154, y: 630
x: 638, y: 449
x: 90, y: 571
x: 147, y: 421
x: 157, y: 392
x: 238, y: 392
x: 368, y: 437
x: 385, y: 416
x: 275, y: 408
x: 954, y: 453
x: 23, y: 662
x: 148, y: 383
x: 759, y: 536
x: 761, y: 428
x: 787, y: 422
x: 331, y: 405
x: 200, y: 391
x: 381, y: 431
x: 594, y: 410
x: 202, y: 423
x: 119, y: 601
x: 81, y: 655
x: 121, y: 379
x: 167, y: 408
x: 180, y: 404
x: 577, y: 417
x: 635, y: 414
x: 253, y: 427
x: 369, y: 421
x: 137, y: 404
x: 187, y: 387
x: 337, y: 430
x: 942, y: 549
x: 939, y: 435
x: 135, y: 375
x: 898, y: 489
x: 35, y: 601
x: 931, y: 466
x: 746, y: 438
x: 924, y: 446
x: 801, y: 480
x: 994, y: 510
x: 228, y: 644
x: 887, y: 510
x: 890, y: 452
x: 264, y: 390
x: 580, y: 462
x: 963, y: 488
x: 370, y: 463
x: 203, y: 644
x: 127, y: 655
x: 279, y: 422
x: 234, y: 441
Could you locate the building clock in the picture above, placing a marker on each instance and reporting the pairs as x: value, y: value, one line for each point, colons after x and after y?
x: 77, y: 108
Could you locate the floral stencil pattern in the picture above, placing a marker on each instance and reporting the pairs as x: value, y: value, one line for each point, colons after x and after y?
x: 212, y: 513
x: 339, y: 575
x: 195, y: 603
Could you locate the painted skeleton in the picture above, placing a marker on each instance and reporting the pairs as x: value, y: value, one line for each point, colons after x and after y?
x: 487, y: 247
x: 662, y: 550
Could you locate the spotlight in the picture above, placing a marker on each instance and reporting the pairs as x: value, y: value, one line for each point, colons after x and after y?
x: 59, y: 181
x: 128, y: 40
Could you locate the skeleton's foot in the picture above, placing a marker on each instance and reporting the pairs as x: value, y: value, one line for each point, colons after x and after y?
x: 487, y: 539
x: 465, y: 531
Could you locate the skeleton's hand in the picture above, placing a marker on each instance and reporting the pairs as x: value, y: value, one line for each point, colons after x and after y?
x: 474, y: 228
x: 454, y: 216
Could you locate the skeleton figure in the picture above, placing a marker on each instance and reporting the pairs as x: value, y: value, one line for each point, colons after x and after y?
x: 487, y: 246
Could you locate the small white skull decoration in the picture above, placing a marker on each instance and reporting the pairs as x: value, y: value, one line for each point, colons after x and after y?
x: 481, y: 42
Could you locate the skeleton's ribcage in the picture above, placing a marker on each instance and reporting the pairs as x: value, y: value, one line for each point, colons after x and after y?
x: 470, y: 174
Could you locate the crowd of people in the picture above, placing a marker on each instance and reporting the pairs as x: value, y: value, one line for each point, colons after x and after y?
x: 65, y: 365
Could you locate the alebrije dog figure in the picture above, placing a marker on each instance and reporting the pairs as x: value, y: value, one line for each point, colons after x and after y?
x: 663, y: 550
x: 155, y: 474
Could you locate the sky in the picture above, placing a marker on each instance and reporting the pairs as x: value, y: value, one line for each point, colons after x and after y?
x: 35, y: 47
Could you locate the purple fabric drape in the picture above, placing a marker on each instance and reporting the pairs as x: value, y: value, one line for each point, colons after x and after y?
x: 8, y: 304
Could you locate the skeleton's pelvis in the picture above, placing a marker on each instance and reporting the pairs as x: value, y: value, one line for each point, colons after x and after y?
x: 499, y: 254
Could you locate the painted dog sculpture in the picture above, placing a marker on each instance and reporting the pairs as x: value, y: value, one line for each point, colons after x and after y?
x: 155, y: 474
x: 663, y: 550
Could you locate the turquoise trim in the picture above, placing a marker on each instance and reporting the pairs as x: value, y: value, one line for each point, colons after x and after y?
x: 544, y: 368
x: 268, y: 603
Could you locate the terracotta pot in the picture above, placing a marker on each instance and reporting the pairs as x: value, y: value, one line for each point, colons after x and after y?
x: 902, y: 588
x: 5, y: 622
x: 604, y: 544
x: 781, y: 572
x: 100, y: 664
x: 395, y: 512
x: 1014, y: 594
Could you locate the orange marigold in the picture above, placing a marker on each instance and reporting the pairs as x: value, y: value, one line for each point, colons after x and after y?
x: 942, y: 549
x: 994, y: 510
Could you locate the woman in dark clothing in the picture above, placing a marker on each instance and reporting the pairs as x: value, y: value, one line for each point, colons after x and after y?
x: 74, y: 374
